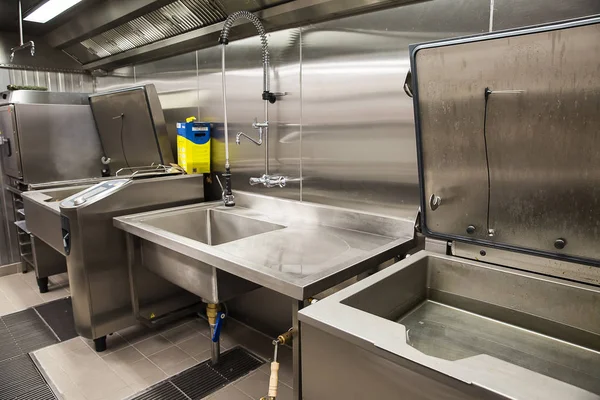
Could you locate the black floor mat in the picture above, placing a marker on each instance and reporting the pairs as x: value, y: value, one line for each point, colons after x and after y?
x: 59, y: 316
x: 204, y: 379
x: 20, y: 379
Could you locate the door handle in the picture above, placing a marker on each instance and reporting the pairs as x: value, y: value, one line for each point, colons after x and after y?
x: 5, y: 140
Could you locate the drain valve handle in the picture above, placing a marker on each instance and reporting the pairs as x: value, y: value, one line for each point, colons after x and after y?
x: 285, y: 338
x: 217, y: 330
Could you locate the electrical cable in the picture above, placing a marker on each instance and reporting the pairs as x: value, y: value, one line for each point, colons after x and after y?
x: 487, y: 93
x: 122, y: 117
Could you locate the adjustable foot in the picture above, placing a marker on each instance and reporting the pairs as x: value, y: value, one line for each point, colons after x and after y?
x: 42, y: 284
x: 100, y: 344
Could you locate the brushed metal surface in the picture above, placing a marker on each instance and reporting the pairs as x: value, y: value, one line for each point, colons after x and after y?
x: 542, y: 144
x: 358, y: 146
x: 542, y: 265
x: 49, y: 132
x: 42, y: 213
x: 547, y: 328
x: 339, y: 369
x: 115, y: 79
x: 98, y: 261
x: 11, y: 155
x: 132, y: 128
x: 316, y: 247
x: 510, y: 14
x: 47, y: 261
x: 176, y: 82
x: 54, y: 81
x: 275, y: 14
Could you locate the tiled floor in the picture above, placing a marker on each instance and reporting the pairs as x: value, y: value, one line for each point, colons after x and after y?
x: 19, y: 291
x: 137, y: 358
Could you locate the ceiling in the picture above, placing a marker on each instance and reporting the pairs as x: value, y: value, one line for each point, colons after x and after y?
x: 9, y: 16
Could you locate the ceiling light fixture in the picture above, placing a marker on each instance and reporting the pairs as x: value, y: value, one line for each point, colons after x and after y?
x: 49, y: 10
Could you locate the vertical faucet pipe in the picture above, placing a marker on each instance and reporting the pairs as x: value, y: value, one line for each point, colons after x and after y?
x: 266, y: 136
x: 224, y: 84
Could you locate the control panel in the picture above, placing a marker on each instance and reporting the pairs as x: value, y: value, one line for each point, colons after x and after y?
x: 94, y: 193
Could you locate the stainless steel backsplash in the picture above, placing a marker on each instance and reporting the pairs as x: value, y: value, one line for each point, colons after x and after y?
x: 345, y: 126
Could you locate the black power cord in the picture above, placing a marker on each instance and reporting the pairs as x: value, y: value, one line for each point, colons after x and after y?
x: 487, y: 93
x: 122, y: 117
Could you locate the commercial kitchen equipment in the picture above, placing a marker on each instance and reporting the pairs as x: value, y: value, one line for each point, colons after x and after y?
x: 136, y: 158
x: 296, y: 248
x: 503, y: 303
x: 48, y: 139
x: 131, y: 137
x: 97, y: 256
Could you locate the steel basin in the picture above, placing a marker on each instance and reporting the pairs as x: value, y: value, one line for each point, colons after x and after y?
x: 296, y: 248
x: 211, y: 226
x: 518, y: 334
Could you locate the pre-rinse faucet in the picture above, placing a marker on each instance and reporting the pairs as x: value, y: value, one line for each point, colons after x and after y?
x: 267, y: 96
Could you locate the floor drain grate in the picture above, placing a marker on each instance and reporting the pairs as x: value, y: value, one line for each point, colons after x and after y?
x: 23, y: 332
x: 20, y: 379
x: 204, y: 379
x: 58, y: 315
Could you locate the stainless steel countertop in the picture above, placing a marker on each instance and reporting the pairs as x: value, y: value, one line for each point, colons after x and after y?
x: 317, y: 247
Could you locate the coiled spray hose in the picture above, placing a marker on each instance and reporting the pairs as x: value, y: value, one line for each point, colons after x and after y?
x: 224, y: 39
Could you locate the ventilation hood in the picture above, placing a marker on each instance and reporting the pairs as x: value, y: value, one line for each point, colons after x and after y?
x: 111, y: 33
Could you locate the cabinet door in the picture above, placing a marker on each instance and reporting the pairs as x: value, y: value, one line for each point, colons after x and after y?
x: 9, y: 152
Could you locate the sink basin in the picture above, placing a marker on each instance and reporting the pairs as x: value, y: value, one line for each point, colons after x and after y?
x: 211, y: 226
x: 515, y: 333
x: 298, y: 249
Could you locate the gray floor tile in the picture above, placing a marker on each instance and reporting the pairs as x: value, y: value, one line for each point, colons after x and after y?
x: 114, y: 343
x: 153, y: 345
x: 137, y: 333
x: 140, y: 374
x: 229, y: 393
x: 256, y: 385
x: 180, y: 367
x: 196, y: 345
x: 125, y: 356
x: 171, y: 359
x: 180, y: 333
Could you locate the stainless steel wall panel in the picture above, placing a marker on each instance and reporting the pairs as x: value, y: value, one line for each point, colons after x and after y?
x: 517, y: 13
x: 176, y: 82
x: 244, y: 103
x: 119, y: 78
x: 358, y: 146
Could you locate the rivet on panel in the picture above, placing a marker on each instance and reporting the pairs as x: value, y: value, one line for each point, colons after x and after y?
x: 560, y: 243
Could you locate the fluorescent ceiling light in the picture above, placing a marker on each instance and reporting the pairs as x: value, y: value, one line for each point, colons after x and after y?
x: 49, y: 10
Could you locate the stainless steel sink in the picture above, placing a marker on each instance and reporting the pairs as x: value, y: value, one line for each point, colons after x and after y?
x: 296, y: 248
x: 510, y: 332
x: 210, y: 226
